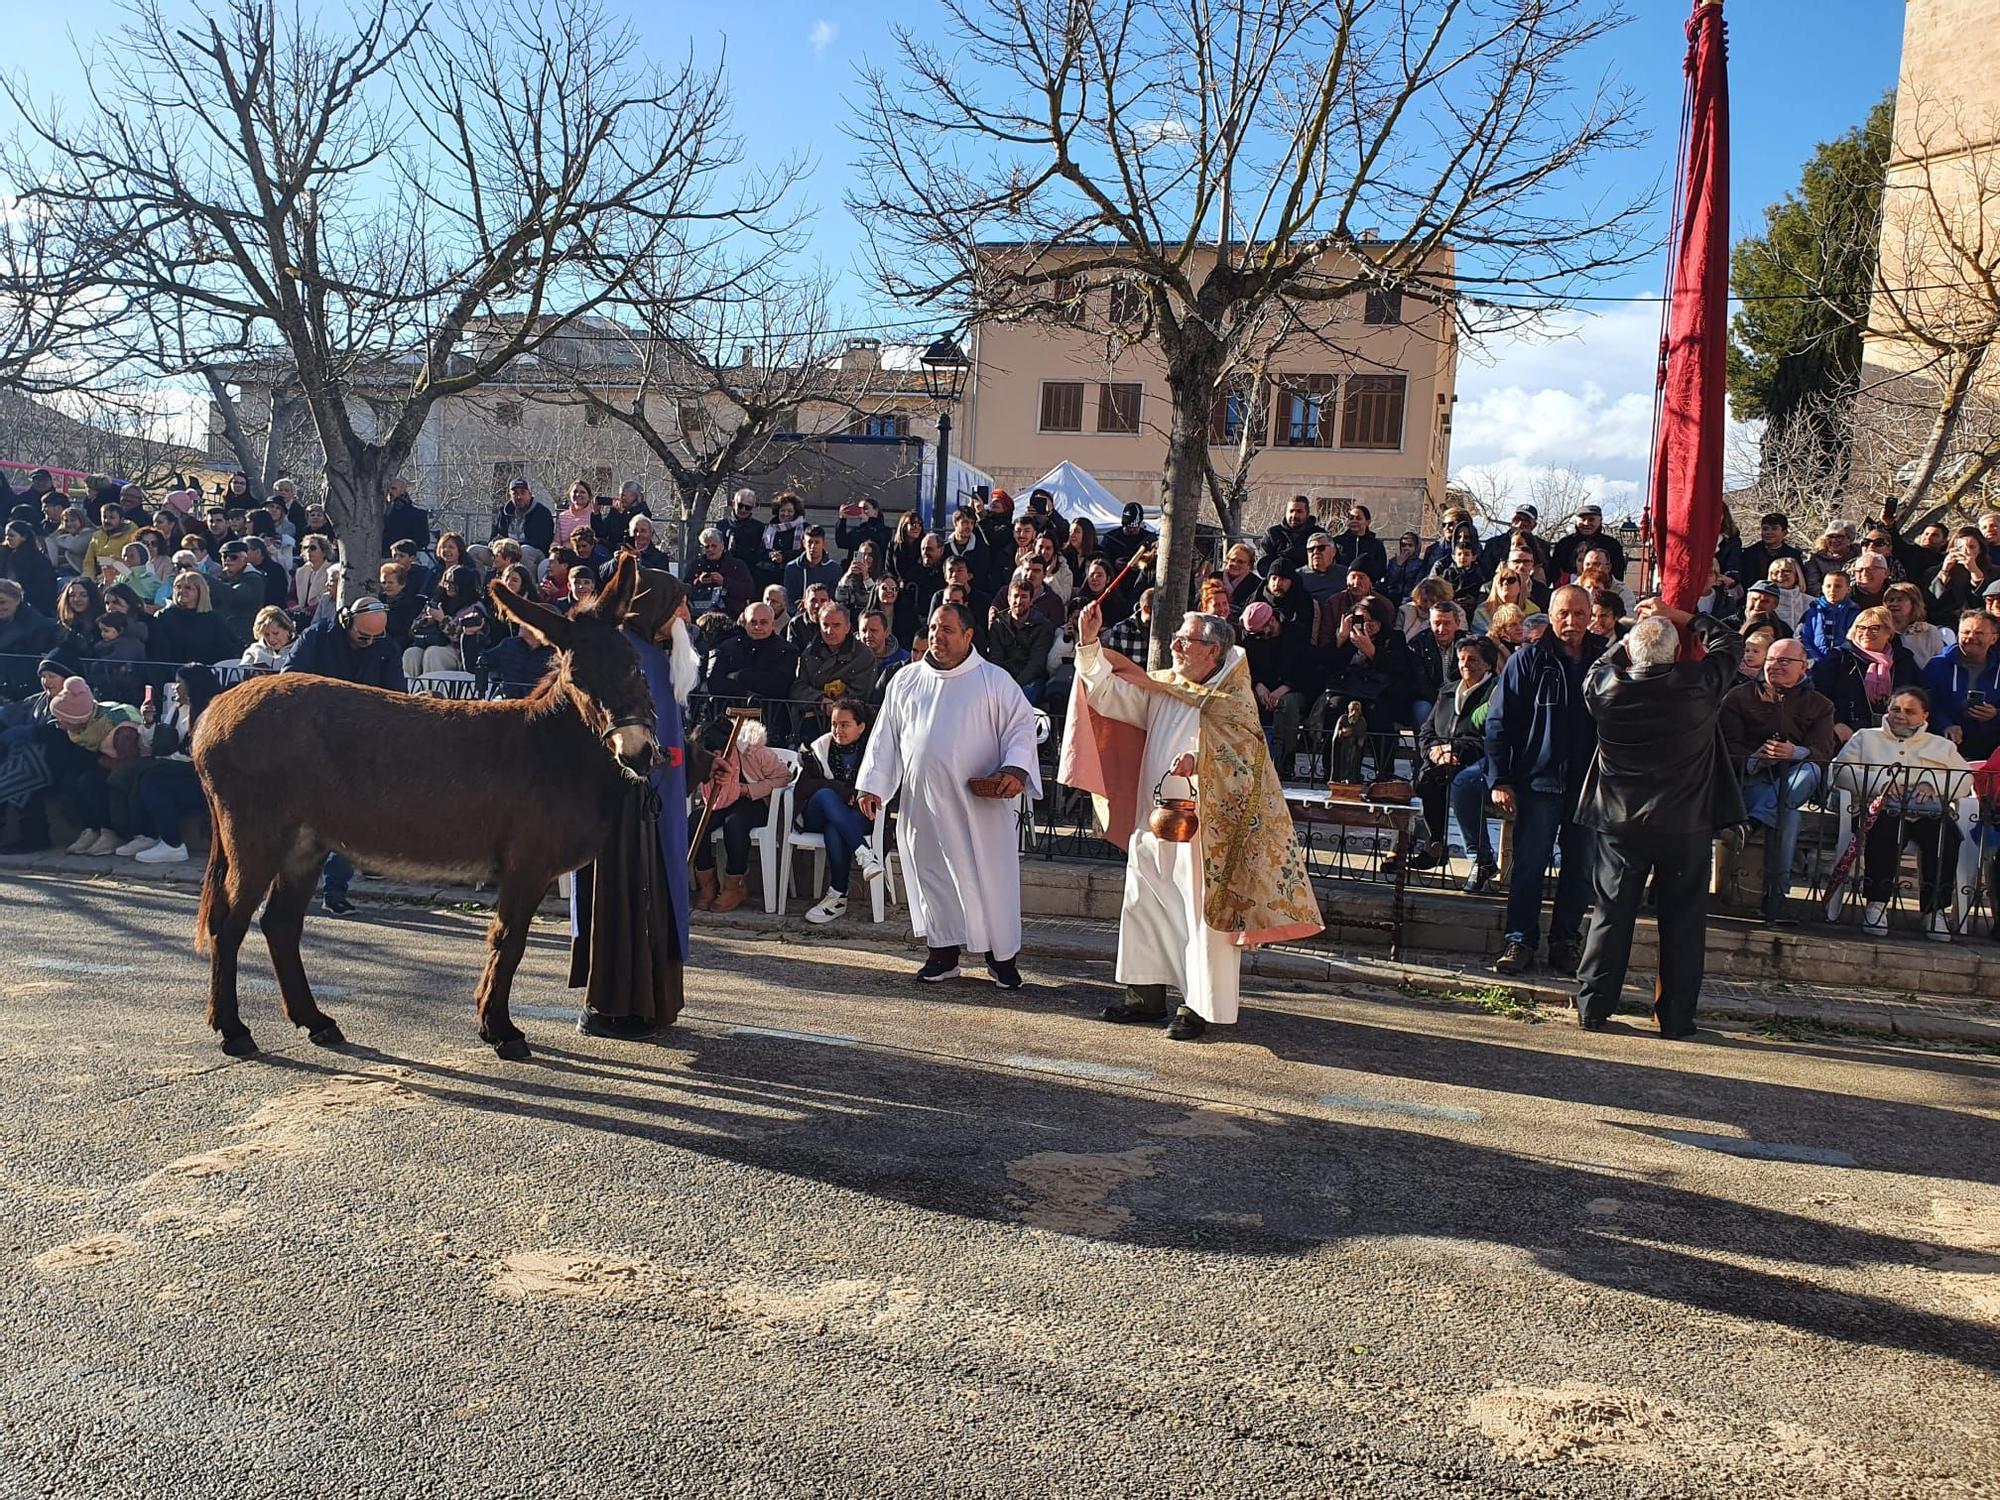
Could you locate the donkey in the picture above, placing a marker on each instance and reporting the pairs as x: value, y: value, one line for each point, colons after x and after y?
x: 295, y: 765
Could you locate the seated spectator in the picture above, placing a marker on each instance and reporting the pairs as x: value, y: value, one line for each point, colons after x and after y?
x: 1018, y: 641
x: 189, y: 629
x: 1283, y: 678
x: 1910, y: 781
x: 861, y: 522
x: 311, y: 595
x: 1964, y: 687
x: 959, y: 574
x: 276, y: 635
x: 1360, y: 592
x: 1829, y: 617
x: 1595, y: 573
x: 77, y: 608
x: 512, y: 666
x: 241, y: 591
x: 1607, y: 615
x: 1779, y: 734
x: 35, y: 755
x: 1358, y: 545
x: 755, y: 664
x: 1869, y: 577
x: 1761, y: 605
x: 855, y: 589
x: 899, y: 603
x: 113, y: 532
x: 165, y: 791
x: 1451, y: 762
x: 1434, y: 654
x: 1322, y: 577
x: 582, y: 588
x: 1056, y: 570
x: 1406, y: 569
x: 718, y: 579
x: 91, y: 727
x: 69, y: 544
x: 1239, y: 569
x: 1287, y: 539
x: 1131, y: 538
x: 803, y: 627
x: 451, y: 552
x: 1415, y: 616
x: 1507, y: 588
x: 1212, y: 598
x: 113, y: 644
x: 1961, y: 580
x: 1370, y: 665
x: 554, y: 589
x: 277, y: 582
x: 1507, y: 628
x: 403, y: 604
x: 1908, y: 608
x: 1758, y: 636
x: 811, y: 565
x: 824, y: 800
x: 1786, y: 574
x: 890, y: 656
x: 1460, y: 568
x: 1131, y: 637
x: 589, y: 550
x: 1860, y: 676
x: 1532, y: 564
x: 836, y: 665
x: 26, y: 633
x: 24, y: 561
x: 738, y: 793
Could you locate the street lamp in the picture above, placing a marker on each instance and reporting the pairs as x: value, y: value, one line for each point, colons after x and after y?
x: 944, y: 365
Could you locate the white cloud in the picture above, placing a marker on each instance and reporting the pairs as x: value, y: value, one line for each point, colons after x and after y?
x: 1576, y: 396
x: 823, y: 33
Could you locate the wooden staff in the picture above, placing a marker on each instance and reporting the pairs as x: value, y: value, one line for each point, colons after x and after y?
x: 1143, y: 558
x: 738, y: 717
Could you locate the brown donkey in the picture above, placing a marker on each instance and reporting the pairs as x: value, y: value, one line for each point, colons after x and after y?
x: 515, y: 793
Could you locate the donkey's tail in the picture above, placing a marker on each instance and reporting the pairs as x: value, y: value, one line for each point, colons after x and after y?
x: 214, y: 900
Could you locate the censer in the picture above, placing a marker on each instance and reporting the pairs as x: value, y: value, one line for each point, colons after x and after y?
x: 1175, y: 820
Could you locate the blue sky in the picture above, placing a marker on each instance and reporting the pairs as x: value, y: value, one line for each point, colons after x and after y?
x: 1801, y: 71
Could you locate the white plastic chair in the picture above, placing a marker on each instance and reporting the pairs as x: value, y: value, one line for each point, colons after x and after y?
x: 769, y: 841
x: 878, y: 839
x: 1966, y: 879
x: 445, y: 685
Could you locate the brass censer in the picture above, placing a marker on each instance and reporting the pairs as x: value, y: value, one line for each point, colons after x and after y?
x: 1174, y: 820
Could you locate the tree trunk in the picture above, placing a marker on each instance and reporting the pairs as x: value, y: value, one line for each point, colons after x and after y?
x: 356, y: 482
x: 1191, y: 370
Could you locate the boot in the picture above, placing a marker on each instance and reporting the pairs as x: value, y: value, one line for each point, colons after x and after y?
x: 733, y: 893
x: 704, y: 885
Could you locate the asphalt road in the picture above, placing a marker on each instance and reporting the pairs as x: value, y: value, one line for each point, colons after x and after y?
x: 837, y: 1236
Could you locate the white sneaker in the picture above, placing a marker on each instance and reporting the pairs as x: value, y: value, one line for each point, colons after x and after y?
x: 83, y: 841
x: 835, y: 905
x: 132, y: 846
x: 107, y: 843
x: 1875, y: 919
x: 1938, y: 930
x: 870, y: 862
x: 163, y: 853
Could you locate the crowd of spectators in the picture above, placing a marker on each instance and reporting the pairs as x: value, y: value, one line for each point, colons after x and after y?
x: 1455, y: 659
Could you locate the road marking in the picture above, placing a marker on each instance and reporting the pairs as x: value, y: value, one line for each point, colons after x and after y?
x: 1368, y: 1104
x: 1073, y: 1068
x: 320, y: 991
x: 77, y: 966
x: 544, y: 1012
x: 1731, y: 1145
x: 825, y: 1039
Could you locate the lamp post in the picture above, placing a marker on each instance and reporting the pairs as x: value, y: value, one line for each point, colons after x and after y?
x: 1629, y: 537
x: 945, y: 366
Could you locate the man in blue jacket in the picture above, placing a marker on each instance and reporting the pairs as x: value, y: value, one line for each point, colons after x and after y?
x: 1539, y: 741
x: 1964, y: 684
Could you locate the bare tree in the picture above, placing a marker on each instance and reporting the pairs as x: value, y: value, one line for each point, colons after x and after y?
x: 51, y: 300
x: 1928, y: 414
x: 400, y: 203
x: 1557, y: 494
x: 1225, y: 158
x: 1488, y: 494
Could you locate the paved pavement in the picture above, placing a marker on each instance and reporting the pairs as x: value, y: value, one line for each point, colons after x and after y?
x: 836, y: 1236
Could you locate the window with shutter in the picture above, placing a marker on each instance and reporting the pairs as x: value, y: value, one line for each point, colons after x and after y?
x: 507, y: 413
x: 1372, y: 413
x: 1241, y: 401
x: 1383, y: 306
x: 1128, y: 303
x: 1062, y: 406
x: 1305, y: 412
x: 1118, y: 406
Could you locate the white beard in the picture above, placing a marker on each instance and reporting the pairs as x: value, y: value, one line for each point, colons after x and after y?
x: 684, y: 661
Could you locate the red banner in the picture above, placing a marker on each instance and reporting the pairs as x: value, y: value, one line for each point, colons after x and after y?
x: 1684, y: 503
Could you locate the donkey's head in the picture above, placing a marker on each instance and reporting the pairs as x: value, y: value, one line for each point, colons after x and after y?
x: 596, y: 665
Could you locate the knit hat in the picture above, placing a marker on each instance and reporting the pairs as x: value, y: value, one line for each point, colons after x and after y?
x: 1133, y: 513
x: 183, y: 500
x: 1257, y: 616
x: 73, y: 704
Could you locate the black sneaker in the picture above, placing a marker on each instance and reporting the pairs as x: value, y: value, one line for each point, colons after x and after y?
x: 1005, y: 972
x: 1427, y: 856
x: 1480, y: 878
x: 1515, y: 958
x: 1185, y: 1026
x: 1564, y: 958
x: 940, y: 966
x: 336, y: 906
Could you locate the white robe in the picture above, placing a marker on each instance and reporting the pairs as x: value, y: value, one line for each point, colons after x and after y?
x: 1163, y: 937
x: 961, y: 854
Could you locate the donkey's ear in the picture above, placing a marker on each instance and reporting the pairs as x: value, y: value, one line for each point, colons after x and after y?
x: 537, y: 621
x: 614, y: 595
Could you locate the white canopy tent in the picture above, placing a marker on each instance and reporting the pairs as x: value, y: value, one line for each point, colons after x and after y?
x: 962, y: 485
x: 1078, y: 494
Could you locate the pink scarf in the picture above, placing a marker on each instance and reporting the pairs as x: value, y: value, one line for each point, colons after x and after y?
x: 1881, y: 675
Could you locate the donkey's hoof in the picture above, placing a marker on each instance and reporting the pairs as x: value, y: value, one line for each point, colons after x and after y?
x: 327, y: 1036
x: 242, y: 1044
x: 513, y: 1049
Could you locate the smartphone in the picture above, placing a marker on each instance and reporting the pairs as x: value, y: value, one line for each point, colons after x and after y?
x: 1975, y: 698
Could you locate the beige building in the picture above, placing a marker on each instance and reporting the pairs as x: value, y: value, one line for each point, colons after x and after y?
x: 1356, y: 407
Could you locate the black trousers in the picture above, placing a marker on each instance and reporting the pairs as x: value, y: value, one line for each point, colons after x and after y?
x: 1677, y: 860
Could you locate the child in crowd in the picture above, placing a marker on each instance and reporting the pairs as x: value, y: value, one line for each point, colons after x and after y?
x: 273, y: 637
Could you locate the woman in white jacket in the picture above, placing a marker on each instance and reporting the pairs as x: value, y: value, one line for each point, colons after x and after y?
x: 1793, y: 600
x: 1907, y: 783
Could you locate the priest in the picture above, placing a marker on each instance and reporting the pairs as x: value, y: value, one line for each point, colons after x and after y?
x: 1190, y: 908
x: 957, y: 739
x: 629, y: 909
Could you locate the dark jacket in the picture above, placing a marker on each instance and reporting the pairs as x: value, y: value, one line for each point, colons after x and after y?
x: 734, y: 589
x: 1843, y: 676
x: 1437, y: 666
x: 1384, y: 680
x: 1804, y: 716
x: 1757, y: 558
x: 30, y: 567
x: 1120, y: 546
x: 1284, y: 659
x: 184, y: 635
x: 615, y: 523
x: 845, y: 671
x: 1364, y: 550
x: 1451, y: 723
x: 849, y: 535
x: 743, y: 668
x: 1020, y: 648
x: 1289, y: 542
x: 325, y: 651
x: 1660, y: 765
x: 801, y: 575
x: 537, y: 526
x: 237, y: 601
x: 404, y: 522
x: 1539, y: 734
x: 1572, y: 547
x: 29, y: 637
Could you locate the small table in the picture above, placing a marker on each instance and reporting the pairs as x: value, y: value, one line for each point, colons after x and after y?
x: 1317, y: 808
